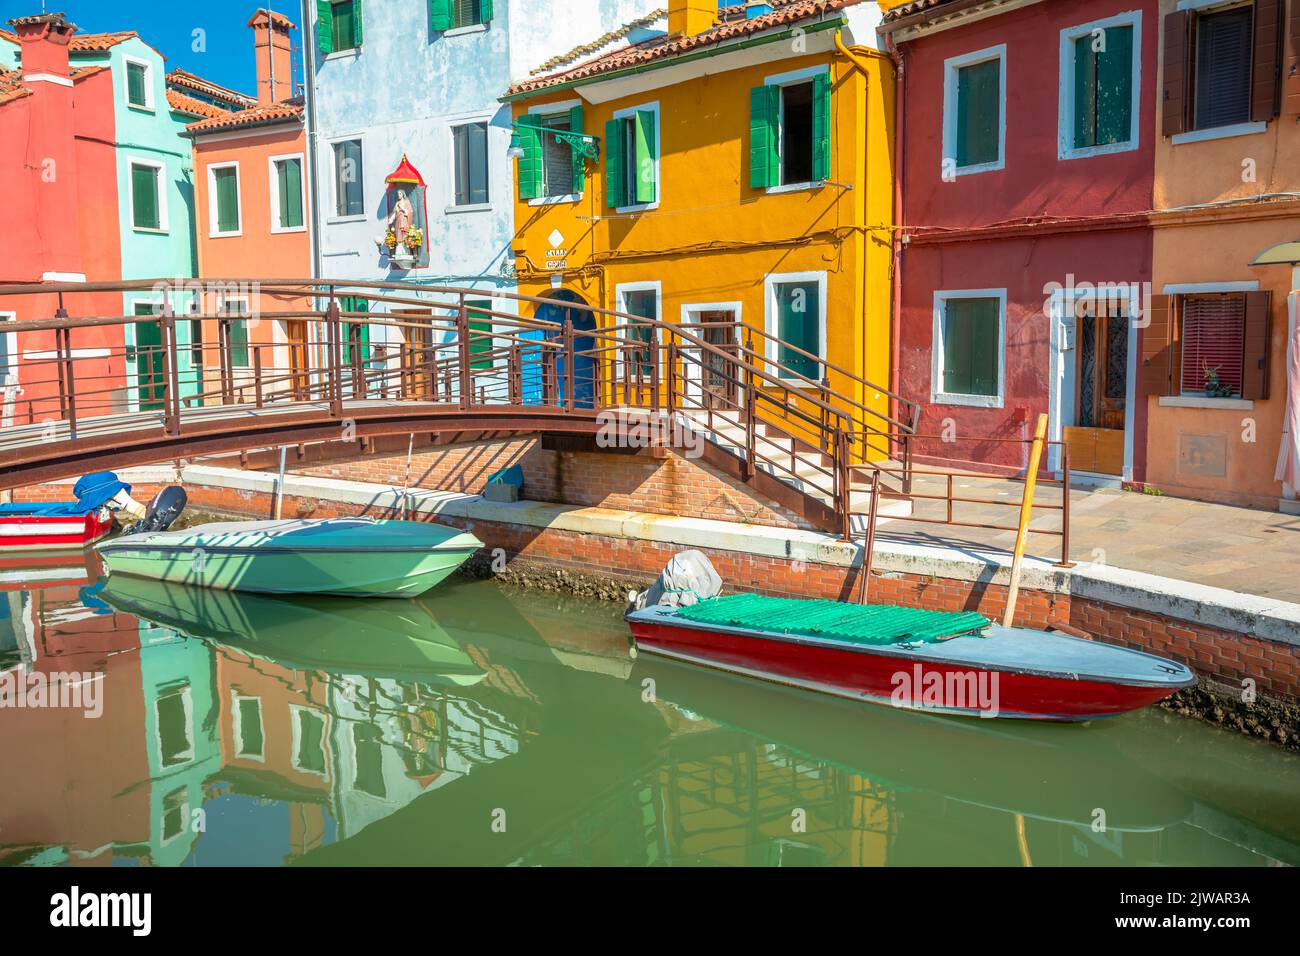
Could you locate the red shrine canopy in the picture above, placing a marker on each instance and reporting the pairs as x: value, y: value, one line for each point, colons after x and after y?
x: 405, y: 173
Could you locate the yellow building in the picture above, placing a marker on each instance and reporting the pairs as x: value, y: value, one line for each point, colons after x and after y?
x: 743, y: 173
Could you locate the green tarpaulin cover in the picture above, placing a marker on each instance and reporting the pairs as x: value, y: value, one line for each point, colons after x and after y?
x: 853, y: 623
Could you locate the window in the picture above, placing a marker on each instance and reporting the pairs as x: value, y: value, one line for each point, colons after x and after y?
x: 309, y: 740
x: 640, y: 299
x: 286, y: 194
x: 367, y: 745
x: 550, y: 169
x: 223, y: 200
x: 1210, y: 342
x: 632, y: 158
x: 338, y: 25
x: 8, y: 352
x: 1222, y: 69
x: 357, y: 334
x: 173, y: 711
x: 238, y: 331
x: 1100, y: 82
x: 139, y: 90
x: 348, y: 198
x: 796, y: 316
x: 789, y: 129
x: 459, y: 14
x: 969, y: 332
x: 974, y: 111
x: 250, y: 737
x: 148, y: 202
x: 175, y: 814
x: 470, y: 161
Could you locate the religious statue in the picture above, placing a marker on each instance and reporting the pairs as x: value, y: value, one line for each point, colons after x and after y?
x: 400, y: 219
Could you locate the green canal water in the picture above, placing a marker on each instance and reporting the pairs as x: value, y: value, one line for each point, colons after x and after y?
x: 485, y: 726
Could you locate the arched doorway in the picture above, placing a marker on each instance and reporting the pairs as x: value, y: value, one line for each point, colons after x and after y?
x: 582, y: 378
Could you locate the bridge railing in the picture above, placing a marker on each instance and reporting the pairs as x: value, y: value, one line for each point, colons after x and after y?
x: 192, y: 354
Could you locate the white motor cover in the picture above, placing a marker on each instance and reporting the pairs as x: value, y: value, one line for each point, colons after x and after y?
x: 687, y: 579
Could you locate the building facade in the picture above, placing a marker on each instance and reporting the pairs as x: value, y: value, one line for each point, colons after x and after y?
x: 406, y: 133
x: 741, y: 187
x: 1027, y: 174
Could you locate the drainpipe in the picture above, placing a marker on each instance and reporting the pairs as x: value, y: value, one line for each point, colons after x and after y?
x: 896, y: 292
x: 309, y: 116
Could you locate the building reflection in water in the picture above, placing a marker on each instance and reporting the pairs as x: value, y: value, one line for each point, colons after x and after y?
x: 245, y: 730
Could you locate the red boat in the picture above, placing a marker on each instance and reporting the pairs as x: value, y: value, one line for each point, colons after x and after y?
x: 65, y: 525
x: 945, y: 662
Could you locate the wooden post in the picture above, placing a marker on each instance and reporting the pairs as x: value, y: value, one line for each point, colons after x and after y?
x: 463, y: 352
x: 335, y: 344
x: 1026, y: 512
x: 279, y: 487
x: 869, y: 543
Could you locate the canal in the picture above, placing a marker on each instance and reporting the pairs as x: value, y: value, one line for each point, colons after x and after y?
x: 173, y: 727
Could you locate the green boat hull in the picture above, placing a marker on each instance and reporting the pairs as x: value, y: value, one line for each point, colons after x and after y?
x: 343, y: 557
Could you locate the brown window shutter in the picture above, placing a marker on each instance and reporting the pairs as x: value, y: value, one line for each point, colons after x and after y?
x: 1156, y: 372
x: 1174, y: 101
x: 1256, y: 345
x: 1265, y: 72
x: 1291, y: 63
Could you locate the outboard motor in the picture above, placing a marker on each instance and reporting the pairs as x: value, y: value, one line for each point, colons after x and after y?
x: 687, y: 579
x: 165, y: 508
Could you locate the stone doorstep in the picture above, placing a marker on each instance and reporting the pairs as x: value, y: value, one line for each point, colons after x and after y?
x: 1265, y: 618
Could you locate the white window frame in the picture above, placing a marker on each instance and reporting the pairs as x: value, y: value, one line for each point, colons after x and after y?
x: 296, y: 739
x: 213, y: 231
x: 630, y: 113
x: 127, y: 62
x: 272, y: 173
x: 334, y: 180
x: 1065, y: 129
x: 10, y: 342
x: 238, y: 726
x: 792, y: 78
x: 950, y: 68
x: 161, y: 169
x: 771, y: 316
x: 547, y: 109
x: 937, y: 395
x: 451, y: 207
x: 620, y: 305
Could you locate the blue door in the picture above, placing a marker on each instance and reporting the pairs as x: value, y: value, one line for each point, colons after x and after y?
x: 582, y: 376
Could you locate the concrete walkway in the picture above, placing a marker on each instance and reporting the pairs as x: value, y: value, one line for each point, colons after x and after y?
x: 1254, y: 552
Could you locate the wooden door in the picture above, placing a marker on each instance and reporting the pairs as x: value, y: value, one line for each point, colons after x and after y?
x: 720, y: 375
x: 295, y: 333
x: 150, y: 381
x: 419, y: 356
x: 1101, y: 372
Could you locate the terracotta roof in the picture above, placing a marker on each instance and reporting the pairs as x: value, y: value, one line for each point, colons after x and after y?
x: 56, y: 18
x: 916, y: 8
x: 732, y: 25
x: 188, y: 104
x: 11, y: 87
x: 94, y: 42
x: 589, y: 48
x: 79, y: 72
x: 282, y: 112
x: 184, y: 78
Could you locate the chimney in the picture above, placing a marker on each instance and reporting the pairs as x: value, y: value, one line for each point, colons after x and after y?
x: 691, y: 17
x: 274, y: 64
x: 44, y: 43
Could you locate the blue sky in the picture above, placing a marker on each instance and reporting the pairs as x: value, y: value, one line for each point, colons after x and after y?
x: 168, y: 26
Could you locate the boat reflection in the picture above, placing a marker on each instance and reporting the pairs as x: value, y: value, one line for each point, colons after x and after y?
x: 246, y: 729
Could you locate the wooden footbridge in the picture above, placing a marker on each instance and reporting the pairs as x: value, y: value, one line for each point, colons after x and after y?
x: 213, y: 367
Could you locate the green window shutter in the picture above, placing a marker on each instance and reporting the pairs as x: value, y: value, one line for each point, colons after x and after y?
x: 1115, y: 87
x: 135, y: 91
x: 356, y: 22
x: 440, y: 15
x: 479, y: 322
x: 227, y: 184
x: 1085, y: 93
x: 289, y: 186
x: 615, y: 164
x: 579, y: 160
x: 764, y: 109
x: 239, y: 343
x: 485, y: 11
x: 798, y: 320
x: 324, y: 26
x: 979, y: 106
x: 647, y: 152
x: 821, y: 127
x: 530, y: 165
x: 970, y: 347
x: 144, y: 197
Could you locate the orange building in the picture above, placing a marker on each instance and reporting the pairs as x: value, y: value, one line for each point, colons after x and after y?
x: 250, y: 196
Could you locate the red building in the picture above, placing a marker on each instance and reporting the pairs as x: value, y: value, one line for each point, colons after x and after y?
x: 1026, y: 170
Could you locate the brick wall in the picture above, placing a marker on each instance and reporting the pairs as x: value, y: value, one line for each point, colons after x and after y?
x: 670, y: 485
